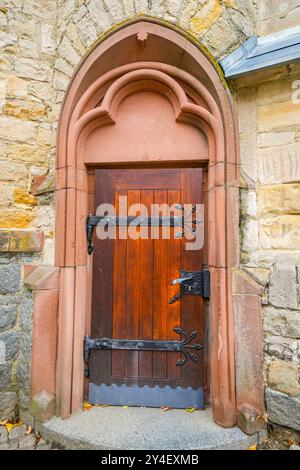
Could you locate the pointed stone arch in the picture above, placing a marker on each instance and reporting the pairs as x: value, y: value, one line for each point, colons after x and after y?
x: 138, y: 54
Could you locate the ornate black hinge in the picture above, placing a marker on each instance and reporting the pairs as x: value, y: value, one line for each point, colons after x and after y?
x: 192, y: 283
x: 112, y: 221
x: 182, y: 346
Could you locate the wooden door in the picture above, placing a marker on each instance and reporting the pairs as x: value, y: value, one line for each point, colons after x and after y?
x: 131, y: 293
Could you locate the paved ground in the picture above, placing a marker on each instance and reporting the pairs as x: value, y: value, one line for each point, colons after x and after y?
x: 143, y: 428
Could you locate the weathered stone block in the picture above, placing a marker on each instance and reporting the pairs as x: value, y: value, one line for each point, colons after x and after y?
x: 12, y: 171
x: 48, y: 39
x: 12, y: 218
x: 279, y: 164
x: 4, y: 242
x: 21, y: 241
x: 26, y: 153
x: 16, y: 87
x: 11, y: 339
x: 276, y: 115
x: 283, y: 348
x: 249, y: 419
x: 42, y: 91
x: 277, y: 198
x: 26, y: 418
x: 250, y: 235
x: 68, y: 52
x: 28, y: 442
x: 116, y: 9
x: 5, y: 374
x: 248, y: 156
x: 205, y: 17
x: 46, y: 137
x: 272, y: 139
x: 7, y: 39
x: 283, y: 409
x: 284, y: 377
x: 41, y: 10
x: 74, y: 38
x: 43, y: 406
x: 27, y: 110
x: 87, y: 31
x: 23, y: 376
x: 242, y: 283
x: 247, y: 111
x: 43, y: 445
x: 249, y: 204
x: 260, y: 275
x: 8, y: 401
x: 60, y: 81
x: 28, y: 48
x: 17, y: 432
x: 99, y: 15
x: 24, y: 402
x: 3, y: 435
x: 26, y: 241
x: 64, y: 67
x: 26, y: 347
x: 26, y: 310
x: 8, y: 316
x: 283, y: 285
x: 33, y: 69
x: 214, y: 38
x: 21, y: 196
x: 287, y: 15
x: 10, y: 277
x: 280, y: 232
x: 27, y: 130
x: 10, y: 445
x: 282, y: 322
x: 43, y: 184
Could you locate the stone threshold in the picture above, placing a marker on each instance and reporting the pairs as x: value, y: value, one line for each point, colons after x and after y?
x: 133, y: 428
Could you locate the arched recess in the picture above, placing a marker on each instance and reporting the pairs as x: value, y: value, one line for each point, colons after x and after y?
x: 145, y: 55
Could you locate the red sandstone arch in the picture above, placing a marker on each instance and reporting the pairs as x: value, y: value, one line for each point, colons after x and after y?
x: 119, y: 66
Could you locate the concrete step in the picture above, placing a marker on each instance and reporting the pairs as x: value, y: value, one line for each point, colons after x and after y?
x: 119, y: 428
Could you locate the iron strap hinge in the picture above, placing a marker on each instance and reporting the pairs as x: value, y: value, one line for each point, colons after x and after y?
x: 160, y: 221
x: 107, y: 344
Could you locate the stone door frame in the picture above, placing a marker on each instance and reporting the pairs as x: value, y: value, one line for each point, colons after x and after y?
x: 217, y: 120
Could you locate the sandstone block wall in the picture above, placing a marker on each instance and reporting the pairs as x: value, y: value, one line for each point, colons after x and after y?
x: 269, y: 120
x: 41, y: 44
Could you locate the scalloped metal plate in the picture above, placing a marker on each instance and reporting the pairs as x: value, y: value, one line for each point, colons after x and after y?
x: 154, y: 397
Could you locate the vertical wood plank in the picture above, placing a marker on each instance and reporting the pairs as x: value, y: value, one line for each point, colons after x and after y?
x: 173, y: 310
x: 102, y: 299
x: 132, y: 294
x: 160, y: 292
x: 146, y: 286
x: 192, y: 306
x: 119, y: 294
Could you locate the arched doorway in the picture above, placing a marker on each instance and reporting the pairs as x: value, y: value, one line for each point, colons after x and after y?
x: 140, y: 61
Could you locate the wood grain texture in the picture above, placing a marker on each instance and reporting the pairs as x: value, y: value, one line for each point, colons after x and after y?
x: 136, y: 276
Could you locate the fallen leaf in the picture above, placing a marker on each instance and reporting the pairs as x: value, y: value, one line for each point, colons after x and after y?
x: 29, y: 430
x: 190, y: 410
x: 3, y: 423
x: 252, y: 447
x: 290, y: 442
x: 10, y: 425
x: 87, y: 406
x: 166, y: 408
